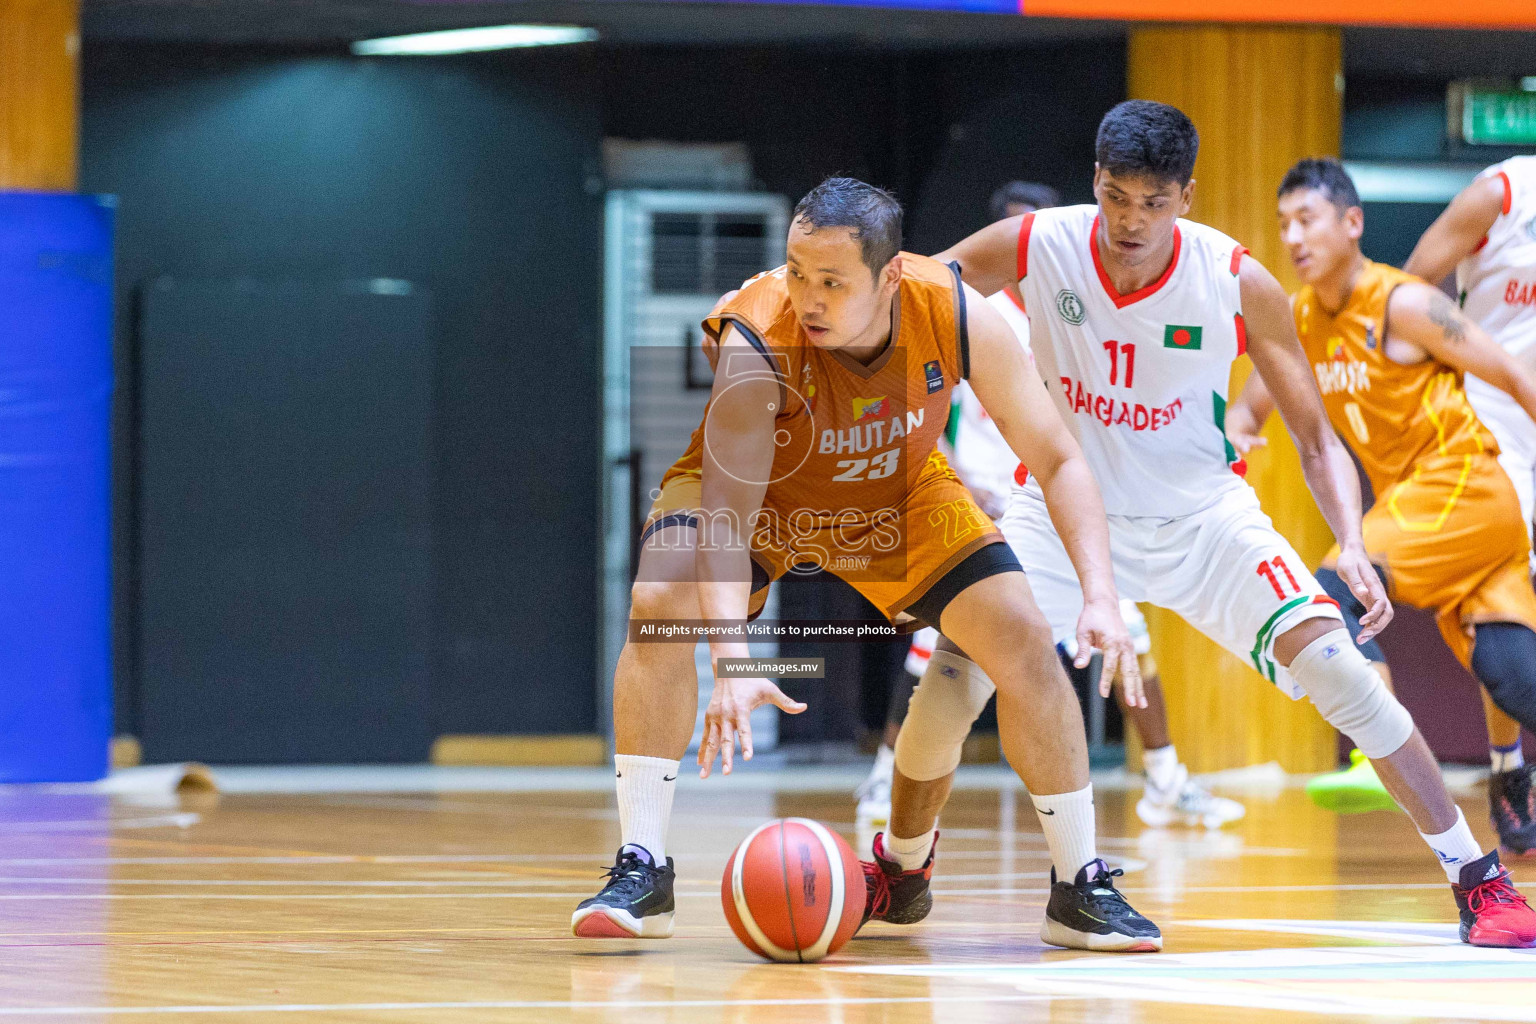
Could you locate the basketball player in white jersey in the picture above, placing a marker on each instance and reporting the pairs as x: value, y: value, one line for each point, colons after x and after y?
x: 990, y: 470
x: 1136, y: 317
x: 1488, y: 237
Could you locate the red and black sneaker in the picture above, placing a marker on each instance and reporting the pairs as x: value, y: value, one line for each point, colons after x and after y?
x: 1512, y: 810
x: 1493, y: 913
x: 893, y: 895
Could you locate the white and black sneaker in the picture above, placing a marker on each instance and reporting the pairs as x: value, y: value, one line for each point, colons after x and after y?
x: 635, y: 904
x: 1087, y: 913
x: 1185, y: 803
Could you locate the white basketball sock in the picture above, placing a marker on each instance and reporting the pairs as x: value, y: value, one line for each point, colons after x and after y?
x: 1067, y: 819
x: 1162, y: 766
x: 645, y: 786
x: 1507, y: 759
x: 1454, y: 847
x: 910, y: 854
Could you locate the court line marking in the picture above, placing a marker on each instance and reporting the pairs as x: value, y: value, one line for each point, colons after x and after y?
x: 318, y: 858
x: 527, y: 1004
x: 104, y: 824
x: 1010, y: 891
x: 1435, y: 933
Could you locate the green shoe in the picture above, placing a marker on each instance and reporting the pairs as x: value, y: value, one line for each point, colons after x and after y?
x: 1354, y: 790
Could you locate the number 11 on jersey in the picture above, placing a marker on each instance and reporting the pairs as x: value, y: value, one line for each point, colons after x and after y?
x: 1267, y: 570
x: 1116, y: 349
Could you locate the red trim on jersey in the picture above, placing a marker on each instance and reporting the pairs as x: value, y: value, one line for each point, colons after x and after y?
x: 1012, y: 293
x: 1479, y: 246
x: 1237, y: 258
x: 1320, y: 599
x: 1509, y: 194
x: 1021, y: 474
x: 1240, y: 467
x: 1121, y: 301
x: 1242, y: 333
x: 1025, y: 227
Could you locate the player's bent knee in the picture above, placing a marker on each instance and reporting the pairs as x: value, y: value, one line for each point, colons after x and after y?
x: 1350, y: 695
x: 952, y: 693
x: 1350, y: 607
x: 1504, y: 661
x: 663, y: 599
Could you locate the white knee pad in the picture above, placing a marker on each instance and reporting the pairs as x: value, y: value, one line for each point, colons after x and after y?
x: 952, y: 692
x: 1351, y: 695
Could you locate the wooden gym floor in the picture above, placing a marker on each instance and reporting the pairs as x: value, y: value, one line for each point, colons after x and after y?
x: 417, y: 907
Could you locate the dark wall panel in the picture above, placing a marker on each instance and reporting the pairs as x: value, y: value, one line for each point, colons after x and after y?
x: 285, y: 526
x: 476, y: 178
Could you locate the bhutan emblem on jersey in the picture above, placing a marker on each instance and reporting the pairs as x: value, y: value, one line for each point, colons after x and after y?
x: 1070, y: 307
x: 1336, y: 349
x: 871, y: 408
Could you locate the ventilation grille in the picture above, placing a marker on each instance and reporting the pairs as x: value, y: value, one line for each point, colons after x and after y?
x: 705, y: 253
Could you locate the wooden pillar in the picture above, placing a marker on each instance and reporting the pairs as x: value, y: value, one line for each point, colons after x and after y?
x: 1261, y: 99
x: 39, y: 94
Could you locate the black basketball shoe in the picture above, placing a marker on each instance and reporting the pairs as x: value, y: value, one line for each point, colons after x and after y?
x: 1087, y: 913
x: 893, y: 895
x: 635, y: 904
x: 1512, y: 809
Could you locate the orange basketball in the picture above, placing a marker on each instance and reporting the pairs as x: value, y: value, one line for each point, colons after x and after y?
x: 793, y: 891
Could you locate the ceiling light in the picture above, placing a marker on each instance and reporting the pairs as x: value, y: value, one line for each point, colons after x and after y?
x: 474, y: 40
x: 1528, y: 83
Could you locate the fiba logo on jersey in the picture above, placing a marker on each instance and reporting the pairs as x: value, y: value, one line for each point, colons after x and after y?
x: 1070, y: 307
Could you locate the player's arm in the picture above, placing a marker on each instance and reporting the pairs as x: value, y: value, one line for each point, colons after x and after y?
x: 1329, y: 471
x: 989, y: 259
x: 1459, y: 229
x: 1247, y: 415
x: 1423, y: 316
x: 1013, y: 395
x: 738, y: 460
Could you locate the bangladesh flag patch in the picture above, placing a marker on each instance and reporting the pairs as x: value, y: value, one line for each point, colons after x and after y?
x: 1181, y: 336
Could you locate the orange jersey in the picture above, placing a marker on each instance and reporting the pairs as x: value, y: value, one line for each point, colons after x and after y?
x: 1446, y: 527
x: 851, y: 439
x: 1392, y: 415
x: 858, y: 486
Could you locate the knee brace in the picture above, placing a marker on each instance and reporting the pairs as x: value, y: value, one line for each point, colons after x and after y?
x: 1334, y: 586
x: 1504, y: 661
x: 953, y: 691
x: 1350, y: 695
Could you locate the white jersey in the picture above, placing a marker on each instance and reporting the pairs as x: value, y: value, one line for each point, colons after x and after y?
x: 981, y: 456
x: 1498, y: 282
x: 1143, y: 376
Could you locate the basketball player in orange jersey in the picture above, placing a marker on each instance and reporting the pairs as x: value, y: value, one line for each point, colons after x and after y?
x: 817, y: 448
x: 1136, y: 315
x: 1389, y: 352
x: 1487, y: 236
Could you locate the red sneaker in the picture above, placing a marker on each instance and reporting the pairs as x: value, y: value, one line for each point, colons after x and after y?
x: 1493, y: 913
x: 894, y: 895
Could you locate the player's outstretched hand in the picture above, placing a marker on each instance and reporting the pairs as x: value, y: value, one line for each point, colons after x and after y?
x: 1100, y: 626
x: 729, y: 719
x: 1356, y: 570
x: 1242, y: 431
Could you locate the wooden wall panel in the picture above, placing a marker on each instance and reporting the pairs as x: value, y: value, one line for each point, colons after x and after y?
x: 1261, y: 98
x: 39, y: 94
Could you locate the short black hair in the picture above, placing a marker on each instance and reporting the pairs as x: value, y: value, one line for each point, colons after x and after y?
x: 872, y: 213
x: 1326, y: 175
x: 1025, y: 193
x: 1139, y: 137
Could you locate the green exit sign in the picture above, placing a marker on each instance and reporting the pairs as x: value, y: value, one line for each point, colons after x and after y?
x: 1491, y: 115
